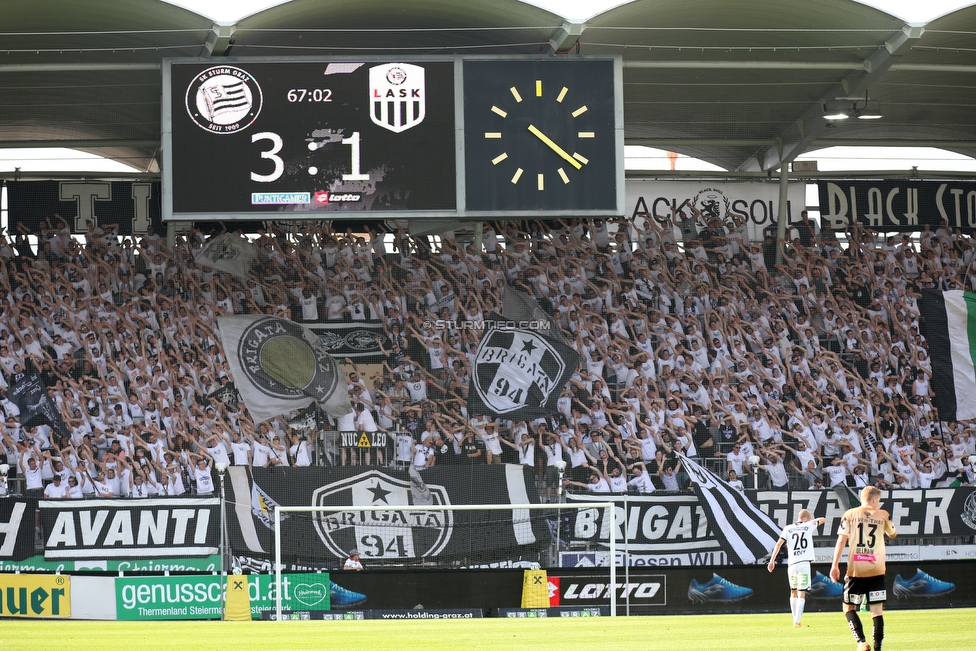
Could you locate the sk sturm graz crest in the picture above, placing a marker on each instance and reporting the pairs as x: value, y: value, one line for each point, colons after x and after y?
x: 223, y: 99
x: 381, y: 534
x: 519, y: 373
x: 397, y: 95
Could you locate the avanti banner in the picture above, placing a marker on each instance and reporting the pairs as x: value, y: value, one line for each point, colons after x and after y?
x: 143, y: 528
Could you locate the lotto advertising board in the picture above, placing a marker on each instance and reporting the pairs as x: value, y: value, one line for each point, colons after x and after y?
x: 753, y: 589
x: 201, y: 597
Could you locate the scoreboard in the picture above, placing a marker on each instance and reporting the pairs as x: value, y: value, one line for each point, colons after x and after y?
x: 451, y: 137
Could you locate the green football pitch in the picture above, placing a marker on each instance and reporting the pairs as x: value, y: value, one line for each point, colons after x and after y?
x: 941, y: 630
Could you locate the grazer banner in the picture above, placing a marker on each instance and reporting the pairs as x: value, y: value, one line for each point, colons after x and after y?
x: 130, y: 528
x: 131, y: 205
x: 898, y: 204
x: 16, y: 529
x: 382, y: 535
x: 756, y: 204
x: 670, y: 523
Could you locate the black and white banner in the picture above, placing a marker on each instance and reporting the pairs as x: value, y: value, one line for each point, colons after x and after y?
x: 363, y: 341
x: 28, y: 392
x: 898, y: 204
x: 277, y: 366
x: 672, y: 523
x: 229, y: 252
x: 744, y: 531
x: 131, y: 205
x: 17, y: 519
x: 519, y: 373
x: 699, y: 205
x: 85, y: 529
x: 226, y: 395
x: 388, y: 534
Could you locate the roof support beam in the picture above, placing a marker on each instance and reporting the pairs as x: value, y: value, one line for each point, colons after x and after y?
x: 748, y: 65
x: 76, y: 144
x: 816, y: 143
x: 797, y: 138
x: 566, y: 37
x: 77, y: 67
x: 219, y: 40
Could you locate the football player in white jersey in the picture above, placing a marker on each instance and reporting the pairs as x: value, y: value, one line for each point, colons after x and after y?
x: 798, y: 538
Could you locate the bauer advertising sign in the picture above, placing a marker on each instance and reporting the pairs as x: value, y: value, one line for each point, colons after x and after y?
x: 35, y: 595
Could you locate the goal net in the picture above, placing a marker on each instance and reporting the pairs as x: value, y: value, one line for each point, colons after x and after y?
x: 456, y: 536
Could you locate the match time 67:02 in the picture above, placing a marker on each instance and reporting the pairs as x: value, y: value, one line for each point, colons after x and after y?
x: 310, y: 95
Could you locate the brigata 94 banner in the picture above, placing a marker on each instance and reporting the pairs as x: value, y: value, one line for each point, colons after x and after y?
x: 386, y: 535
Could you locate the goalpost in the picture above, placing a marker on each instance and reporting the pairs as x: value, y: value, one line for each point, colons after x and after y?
x: 521, y: 519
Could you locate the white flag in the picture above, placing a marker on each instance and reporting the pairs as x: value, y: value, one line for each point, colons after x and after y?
x: 277, y: 366
x: 229, y: 252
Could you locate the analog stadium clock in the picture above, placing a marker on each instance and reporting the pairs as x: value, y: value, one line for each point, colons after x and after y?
x: 542, y: 135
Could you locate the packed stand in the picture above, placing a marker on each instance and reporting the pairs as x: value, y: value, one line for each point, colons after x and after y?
x: 805, y: 374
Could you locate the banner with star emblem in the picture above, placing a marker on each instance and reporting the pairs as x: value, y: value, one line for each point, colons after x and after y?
x: 394, y: 535
x: 278, y: 366
x: 519, y: 373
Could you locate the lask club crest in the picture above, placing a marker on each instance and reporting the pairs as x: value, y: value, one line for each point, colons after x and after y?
x: 387, y: 534
x: 519, y: 370
x: 397, y: 95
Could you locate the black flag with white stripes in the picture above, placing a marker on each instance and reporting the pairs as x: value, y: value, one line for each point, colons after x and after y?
x: 744, y: 531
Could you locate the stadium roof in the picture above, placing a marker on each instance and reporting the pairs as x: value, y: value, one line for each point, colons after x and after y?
x: 739, y: 84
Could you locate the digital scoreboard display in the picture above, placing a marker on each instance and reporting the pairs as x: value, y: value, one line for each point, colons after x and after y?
x: 327, y: 138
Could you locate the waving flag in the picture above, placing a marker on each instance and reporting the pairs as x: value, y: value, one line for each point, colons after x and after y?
x: 745, y: 532
x: 28, y: 392
x: 229, y: 252
x: 521, y: 364
x: 277, y: 366
x: 949, y: 327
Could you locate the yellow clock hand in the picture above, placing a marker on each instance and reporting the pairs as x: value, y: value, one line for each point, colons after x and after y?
x: 553, y: 146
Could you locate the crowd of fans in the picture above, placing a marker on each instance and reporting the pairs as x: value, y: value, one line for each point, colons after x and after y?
x: 810, y: 372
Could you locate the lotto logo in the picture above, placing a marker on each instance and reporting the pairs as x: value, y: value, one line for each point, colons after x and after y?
x: 323, y: 197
